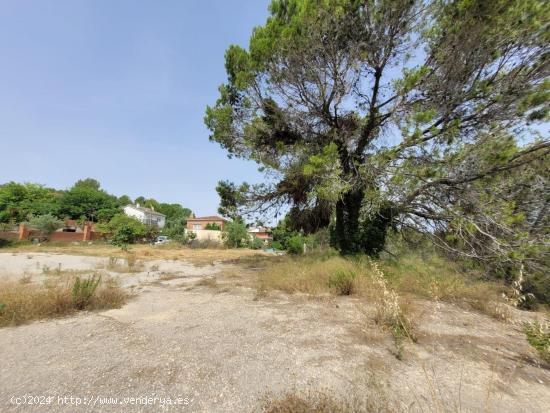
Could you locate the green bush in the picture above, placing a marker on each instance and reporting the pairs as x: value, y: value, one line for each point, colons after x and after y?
x: 46, y: 223
x: 175, y: 230
x: 537, y: 288
x: 277, y: 245
x: 539, y: 338
x: 125, y: 230
x: 235, y: 234
x: 295, y: 245
x: 213, y: 226
x: 256, y: 244
x: 342, y: 282
x: 83, y: 291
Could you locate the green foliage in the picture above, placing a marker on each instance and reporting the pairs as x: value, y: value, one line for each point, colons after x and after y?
x: 235, y: 234
x: 539, y: 337
x: 88, y: 183
x: 536, y: 287
x: 231, y: 197
x: 319, y: 240
x: 125, y: 230
x: 282, y: 233
x: 277, y: 245
x: 256, y: 243
x: 174, y: 229
x: 83, y: 291
x: 85, y: 199
x: 342, y: 282
x: 295, y: 245
x: 151, y: 232
x: 124, y: 200
x: 325, y: 132
x: 46, y: 223
x: 213, y: 226
x: 19, y: 201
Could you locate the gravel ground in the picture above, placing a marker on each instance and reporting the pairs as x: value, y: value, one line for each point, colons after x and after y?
x: 221, y: 350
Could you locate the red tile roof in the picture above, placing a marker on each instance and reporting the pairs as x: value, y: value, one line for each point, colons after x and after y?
x: 208, y: 218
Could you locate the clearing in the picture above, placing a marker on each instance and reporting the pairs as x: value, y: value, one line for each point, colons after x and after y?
x: 197, y: 329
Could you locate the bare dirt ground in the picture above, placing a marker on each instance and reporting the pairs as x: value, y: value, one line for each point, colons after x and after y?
x: 220, y: 348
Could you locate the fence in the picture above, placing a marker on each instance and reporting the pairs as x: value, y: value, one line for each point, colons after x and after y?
x: 24, y: 233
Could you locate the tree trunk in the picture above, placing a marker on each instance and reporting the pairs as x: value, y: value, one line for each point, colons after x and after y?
x: 347, y: 231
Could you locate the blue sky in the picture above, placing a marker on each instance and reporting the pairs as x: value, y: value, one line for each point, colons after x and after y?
x: 116, y: 91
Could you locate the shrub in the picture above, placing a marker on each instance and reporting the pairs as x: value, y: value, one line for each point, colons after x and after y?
x: 277, y: 245
x: 83, y: 290
x: 6, y: 243
x: 539, y: 337
x: 213, y: 226
x: 46, y: 223
x: 125, y: 230
x: 295, y: 245
x: 342, y: 282
x: 390, y: 313
x: 537, y: 289
x: 205, y: 243
x: 235, y: 234
x: 256, y: 243
x: 20, y: 303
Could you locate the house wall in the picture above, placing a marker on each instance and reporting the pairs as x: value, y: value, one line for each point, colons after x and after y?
x: 131, y: 212
x: 207, y: 234
x: 191, y: 223
x: 145, y: 217
x: 261, y: 235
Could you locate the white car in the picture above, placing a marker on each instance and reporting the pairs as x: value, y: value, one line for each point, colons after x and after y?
x: 161, y: 239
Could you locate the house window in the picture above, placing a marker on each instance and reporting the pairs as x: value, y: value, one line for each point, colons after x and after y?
x: 196, y: 227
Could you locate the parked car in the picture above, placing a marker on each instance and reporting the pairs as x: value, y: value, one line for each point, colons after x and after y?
x: 161, y: 239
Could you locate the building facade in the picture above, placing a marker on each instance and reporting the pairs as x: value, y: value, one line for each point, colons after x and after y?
x: 146, y: 215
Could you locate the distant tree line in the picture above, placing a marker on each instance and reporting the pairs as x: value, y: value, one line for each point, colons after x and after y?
x: 84, y: 201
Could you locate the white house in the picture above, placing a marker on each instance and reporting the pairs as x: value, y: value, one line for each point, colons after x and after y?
x: 146, y: 215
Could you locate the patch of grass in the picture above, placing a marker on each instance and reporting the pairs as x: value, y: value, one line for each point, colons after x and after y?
x: 314, y: 274
x: 539, y: 337
x: 343, y: 282
x: 324, y: 402
x: 21, y: 303
x: 26, y: 279
x: 210, y: 282
x: 411, y: 275
x: 83, y: 290
x: 129, y: 263
x: 167, y: 276
x: 435, y: 278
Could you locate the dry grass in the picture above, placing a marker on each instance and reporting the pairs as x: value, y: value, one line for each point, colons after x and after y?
x: 437, y: 279
x: 209, y: 282
x: 315, y: 275
x: 165, y: 252
x: 410, y: 276
x: 129, y: 263
x: 21, y: 303
x: 295, y: 401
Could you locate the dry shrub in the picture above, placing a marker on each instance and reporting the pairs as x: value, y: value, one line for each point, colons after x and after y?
x: 315, y: 275
x: 435, y: 278
x: 20, y: 303
x: 129, y: 263
x: 390, y: 313
x: 207, y: 282
x: 324, y: 402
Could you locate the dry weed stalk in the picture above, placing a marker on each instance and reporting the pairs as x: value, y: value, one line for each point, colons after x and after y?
x: 389, y: 311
